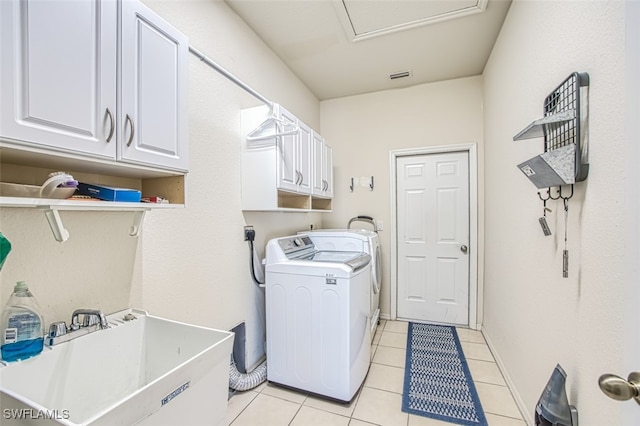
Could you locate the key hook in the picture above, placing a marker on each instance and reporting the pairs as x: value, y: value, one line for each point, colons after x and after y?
x: 565, y: 199
x: 548, y: 195
x: 558, y: 196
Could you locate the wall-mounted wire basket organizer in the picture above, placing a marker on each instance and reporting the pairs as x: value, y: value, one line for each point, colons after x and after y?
x: 565, y: 158
x: 563, y: 126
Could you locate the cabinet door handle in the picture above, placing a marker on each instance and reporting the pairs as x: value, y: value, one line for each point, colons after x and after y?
x: 301, y: 178
x: 111, y: 123
x: 127, y: 118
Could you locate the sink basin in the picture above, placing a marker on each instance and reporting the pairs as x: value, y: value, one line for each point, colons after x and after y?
x: 146, y: 371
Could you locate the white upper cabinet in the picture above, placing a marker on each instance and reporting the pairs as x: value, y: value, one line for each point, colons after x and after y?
x: 304, y: 158
x: 323, y: 168
x: 287, y: 153
x: 294, y: 155
x: 153, y: 113
x: 58, y: 74
x: 67, y: 64
x: 286, y: 165
x: 327, y: 170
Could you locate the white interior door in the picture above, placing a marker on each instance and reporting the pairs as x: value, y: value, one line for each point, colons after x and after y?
x: 433, y: 237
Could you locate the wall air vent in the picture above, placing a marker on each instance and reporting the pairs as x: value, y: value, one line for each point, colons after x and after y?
x: 401, y: 74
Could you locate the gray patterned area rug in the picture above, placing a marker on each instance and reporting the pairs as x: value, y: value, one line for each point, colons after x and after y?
x: 437, y: 382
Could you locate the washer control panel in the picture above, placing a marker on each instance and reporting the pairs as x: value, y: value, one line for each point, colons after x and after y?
x: 295, y: 244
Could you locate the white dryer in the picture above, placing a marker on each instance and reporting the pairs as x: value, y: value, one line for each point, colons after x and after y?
x: 356, y: 240
x: 317, y: 309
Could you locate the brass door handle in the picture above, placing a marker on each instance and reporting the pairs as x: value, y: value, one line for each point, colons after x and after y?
x: 620, y: 389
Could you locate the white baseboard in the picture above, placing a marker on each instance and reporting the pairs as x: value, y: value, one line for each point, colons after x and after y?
x: 524, y: 410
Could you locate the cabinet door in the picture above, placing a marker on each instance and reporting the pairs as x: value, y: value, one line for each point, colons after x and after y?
x: 58, y: 75
x: 328, y: 171
x: 153, y: 113
x: 304, y: 158
x: 287, y: 157
x: 323, y: 167
x: 318, y: 164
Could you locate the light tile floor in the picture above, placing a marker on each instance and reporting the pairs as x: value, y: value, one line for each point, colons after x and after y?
x: 379, y: 401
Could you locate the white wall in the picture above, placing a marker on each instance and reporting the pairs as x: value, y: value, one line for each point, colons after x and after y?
x: 533, y: 317
x: 190, y: 264
x: 364, y: 129
x: 95, y: 268
x: 196, y: 262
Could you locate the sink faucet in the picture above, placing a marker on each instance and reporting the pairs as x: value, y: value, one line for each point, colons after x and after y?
x: 93, y: 320
x: 91, y: 317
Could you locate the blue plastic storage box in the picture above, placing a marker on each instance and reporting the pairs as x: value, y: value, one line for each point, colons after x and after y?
x: 108, y: 193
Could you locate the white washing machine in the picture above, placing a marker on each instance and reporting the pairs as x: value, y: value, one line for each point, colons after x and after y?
x: 356, y: 240
x: 317, y: 309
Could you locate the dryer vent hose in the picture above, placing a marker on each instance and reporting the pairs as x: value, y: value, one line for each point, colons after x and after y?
x: 242, y: 382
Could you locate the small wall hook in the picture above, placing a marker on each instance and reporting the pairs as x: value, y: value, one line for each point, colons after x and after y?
x: 548, y: 197
x: 351, y: 186
x: 565, y: 198
x: 371, y: 184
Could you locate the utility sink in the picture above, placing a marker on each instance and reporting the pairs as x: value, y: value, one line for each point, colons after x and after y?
x: 142, y: 371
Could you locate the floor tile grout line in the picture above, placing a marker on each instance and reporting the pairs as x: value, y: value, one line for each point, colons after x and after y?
x: 490, y: 383
x: 294, y: 416
x: 478, y: 359
x: 360, y: 394
x: 243, y: 409
x: 483, y: 360
x: 504, y: 416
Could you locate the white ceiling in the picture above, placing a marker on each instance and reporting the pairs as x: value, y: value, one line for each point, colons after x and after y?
x: 347, y: 47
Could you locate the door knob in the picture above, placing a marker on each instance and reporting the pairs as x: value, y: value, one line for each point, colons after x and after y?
x: 464, y: 249
x: 620, y: 389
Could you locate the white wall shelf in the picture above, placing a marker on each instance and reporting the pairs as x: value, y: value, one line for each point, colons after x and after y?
x: 88, y: 205
x: 51, y: 209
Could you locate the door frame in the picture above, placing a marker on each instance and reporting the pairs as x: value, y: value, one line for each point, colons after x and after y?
x: 474, y: 294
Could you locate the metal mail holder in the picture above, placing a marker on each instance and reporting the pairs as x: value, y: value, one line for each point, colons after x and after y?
x: 565, y: 157
x: 565, y: 160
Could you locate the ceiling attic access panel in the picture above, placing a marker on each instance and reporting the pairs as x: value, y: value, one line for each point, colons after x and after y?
x: 366, y: 19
